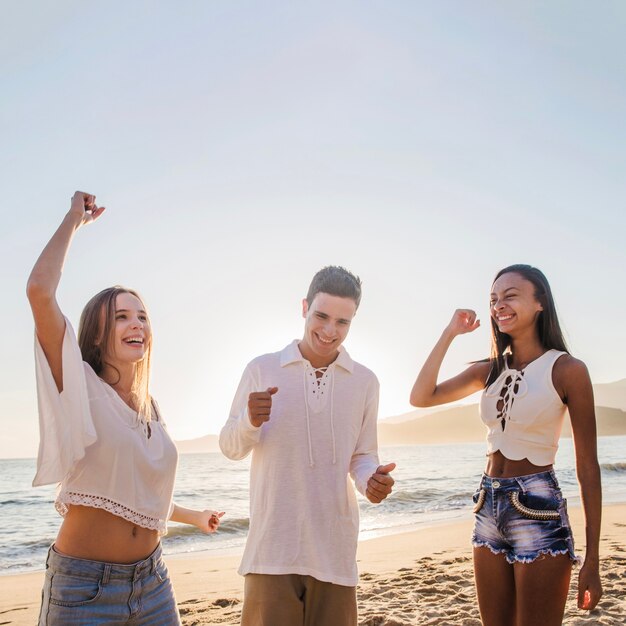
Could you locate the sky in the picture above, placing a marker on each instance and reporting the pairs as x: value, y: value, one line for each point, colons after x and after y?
x: 241, y: 146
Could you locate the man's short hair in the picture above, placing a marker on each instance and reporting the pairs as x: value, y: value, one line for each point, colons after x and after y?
x: 335, y: 281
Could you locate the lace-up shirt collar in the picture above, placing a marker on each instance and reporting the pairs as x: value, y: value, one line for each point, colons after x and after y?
x: 292, y: 354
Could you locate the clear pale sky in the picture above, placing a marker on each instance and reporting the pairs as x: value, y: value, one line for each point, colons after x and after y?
x: 241, y: 146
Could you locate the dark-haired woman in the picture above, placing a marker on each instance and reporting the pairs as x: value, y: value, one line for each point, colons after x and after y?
x: 104, y: 442
x: 523, y: 544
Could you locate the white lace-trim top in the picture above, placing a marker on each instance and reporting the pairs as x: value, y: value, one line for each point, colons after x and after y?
x: 67, y: 498
x: 97, y: 448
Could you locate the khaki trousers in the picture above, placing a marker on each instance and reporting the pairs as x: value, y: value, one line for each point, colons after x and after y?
x: 296, y: 600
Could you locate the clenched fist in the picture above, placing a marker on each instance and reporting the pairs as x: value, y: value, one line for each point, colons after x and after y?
x: 260, y: 406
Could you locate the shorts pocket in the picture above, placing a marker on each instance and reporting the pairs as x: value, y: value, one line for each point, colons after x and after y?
x: 533, y: 507
x: 161, y: 573
x: 479, y: 499
x: 73, y: 591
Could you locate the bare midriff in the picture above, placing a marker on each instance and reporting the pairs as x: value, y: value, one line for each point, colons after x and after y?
x: 94, y: 534
x: 498, y: 466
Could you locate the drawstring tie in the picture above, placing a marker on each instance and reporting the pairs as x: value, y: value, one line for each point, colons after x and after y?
x: 308, y: 420
x: 314, y: 372
x: 332, y: 416
x: 509, y: 386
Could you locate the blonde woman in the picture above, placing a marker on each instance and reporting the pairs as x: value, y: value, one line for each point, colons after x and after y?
x: 103, y: 440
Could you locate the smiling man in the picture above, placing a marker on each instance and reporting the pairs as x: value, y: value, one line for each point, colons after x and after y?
x: 308, y: 415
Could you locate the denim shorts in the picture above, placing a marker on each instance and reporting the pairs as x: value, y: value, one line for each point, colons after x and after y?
x: 89, y: 593
x: 522, y: 517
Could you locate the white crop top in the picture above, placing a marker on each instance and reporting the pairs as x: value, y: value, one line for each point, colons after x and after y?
x: 523, y: 412
x: 97, y: 447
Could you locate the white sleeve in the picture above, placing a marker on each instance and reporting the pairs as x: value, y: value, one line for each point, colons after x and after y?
x: 239, y: 436
x: 364, y: 461
x: 65, y: 424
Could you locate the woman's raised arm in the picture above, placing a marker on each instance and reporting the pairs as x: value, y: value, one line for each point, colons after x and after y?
x: 426, y: 392
x: 45, y: 276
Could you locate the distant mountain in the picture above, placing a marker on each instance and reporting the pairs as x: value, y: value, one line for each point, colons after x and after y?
x: 415, y: 413
x: 610, y: 422
x: 457, y: 424
x: 208, y: 443
x: 612, y: 395
x: 460, y: 423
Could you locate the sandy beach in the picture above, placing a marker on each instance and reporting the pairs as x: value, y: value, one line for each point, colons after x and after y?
x: 418, y: 577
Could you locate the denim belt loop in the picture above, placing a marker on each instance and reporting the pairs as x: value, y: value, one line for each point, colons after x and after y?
x: 154, y: 560
x: 520, y: 482
x: 106, y: 573
x: 555, y: 481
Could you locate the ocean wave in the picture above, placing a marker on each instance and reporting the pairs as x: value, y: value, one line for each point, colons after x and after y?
x: 26, y: 501
x: 7, y: 502
x: 420, y: 502
x: 613, y: 467
x: 420, y: 496
x: 21, y: 566
x: 463, y: 497
x: 38, y: 543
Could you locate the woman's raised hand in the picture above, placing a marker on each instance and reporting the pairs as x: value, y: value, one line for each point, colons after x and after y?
x: 84, y: 207
x: 463, y: 321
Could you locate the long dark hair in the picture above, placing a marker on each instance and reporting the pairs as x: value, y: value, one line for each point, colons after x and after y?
x: 548, y: 327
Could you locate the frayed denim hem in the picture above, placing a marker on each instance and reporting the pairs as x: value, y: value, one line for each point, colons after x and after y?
x: 576, y: 560
x: 485, y: 544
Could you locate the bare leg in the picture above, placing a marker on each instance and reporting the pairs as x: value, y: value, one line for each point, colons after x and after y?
x: 495, y: 586
x: 542, y: 588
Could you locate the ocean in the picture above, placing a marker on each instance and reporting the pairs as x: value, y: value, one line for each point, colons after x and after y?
x: 434, y: 483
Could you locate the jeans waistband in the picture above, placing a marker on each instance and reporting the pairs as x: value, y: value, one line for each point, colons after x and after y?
x: 516, y: 482
x: 73, y: 566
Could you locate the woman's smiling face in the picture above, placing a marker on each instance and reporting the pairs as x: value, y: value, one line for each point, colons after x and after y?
x: 131, y: 332
x: 513, y: 304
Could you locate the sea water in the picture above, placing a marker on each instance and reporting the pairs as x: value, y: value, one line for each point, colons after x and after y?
x: 434, y: 483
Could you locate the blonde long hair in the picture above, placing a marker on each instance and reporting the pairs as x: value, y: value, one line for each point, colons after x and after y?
x: 94, y: 342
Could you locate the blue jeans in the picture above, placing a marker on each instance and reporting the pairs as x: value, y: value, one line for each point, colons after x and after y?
x: 522, y: 517
x: 88, y: 593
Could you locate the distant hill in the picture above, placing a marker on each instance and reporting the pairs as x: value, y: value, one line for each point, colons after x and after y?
x: 456, y: 424
x: 208, y: 443
x: 461, y: 423
x: 612, y: 395
x: 610, y: 422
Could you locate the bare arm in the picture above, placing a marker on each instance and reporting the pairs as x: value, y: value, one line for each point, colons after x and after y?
x: 207, y: 521
x: 46, y: 275
x: 426, y: 392
x: 571, y: 379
